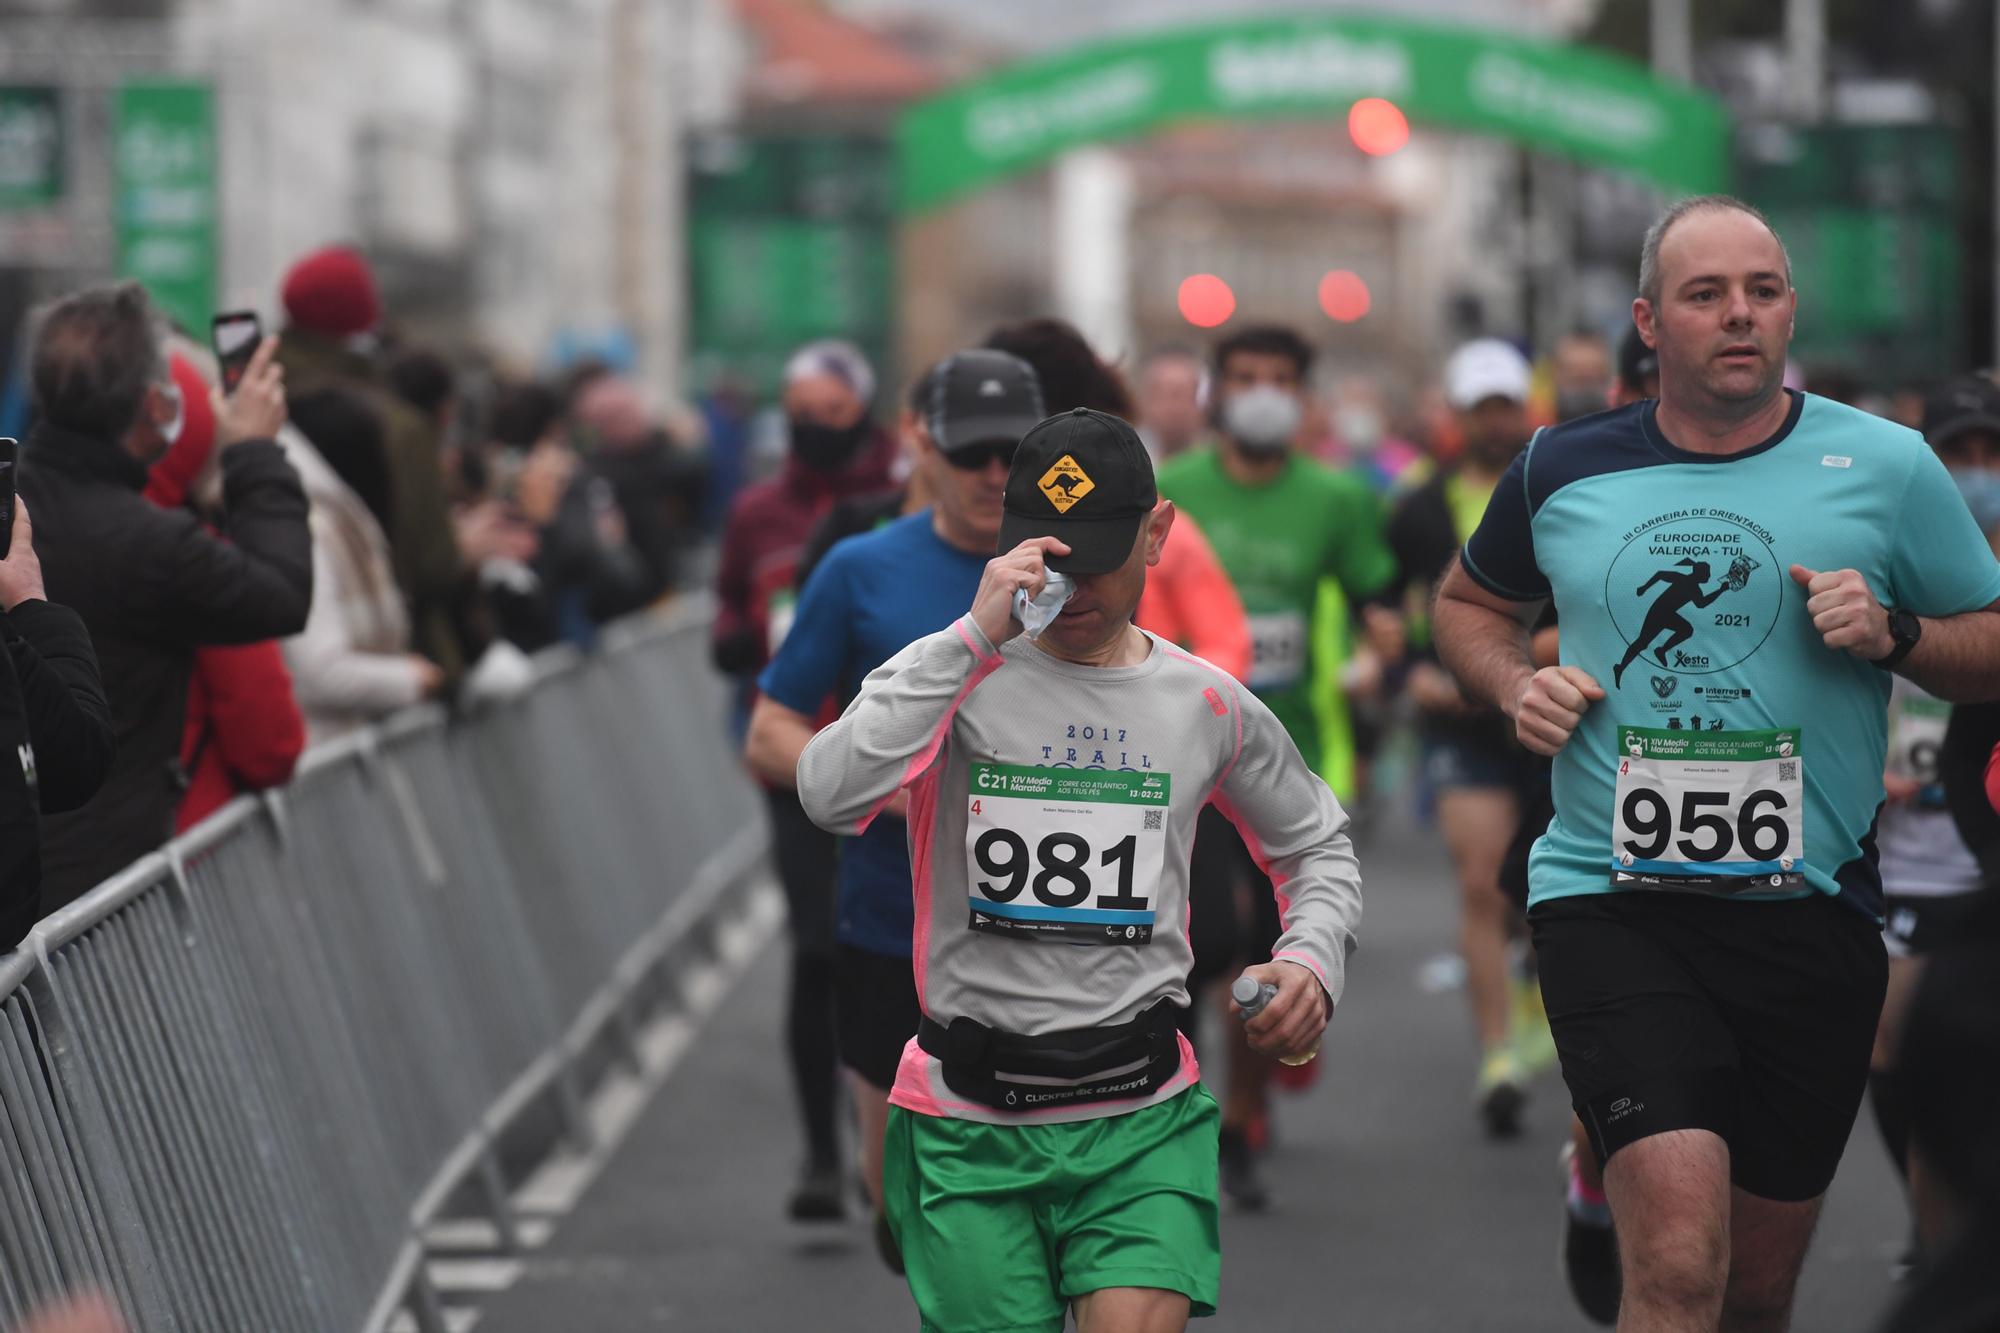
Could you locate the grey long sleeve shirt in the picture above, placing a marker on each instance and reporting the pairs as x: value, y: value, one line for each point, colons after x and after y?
x: 1052, y: 813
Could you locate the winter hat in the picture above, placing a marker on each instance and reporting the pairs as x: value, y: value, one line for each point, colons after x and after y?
x: 332, y: 291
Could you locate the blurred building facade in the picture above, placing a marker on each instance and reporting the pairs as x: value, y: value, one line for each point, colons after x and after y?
x: 515, y: 167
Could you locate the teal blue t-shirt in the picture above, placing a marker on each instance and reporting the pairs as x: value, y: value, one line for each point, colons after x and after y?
x: 1734, y: 753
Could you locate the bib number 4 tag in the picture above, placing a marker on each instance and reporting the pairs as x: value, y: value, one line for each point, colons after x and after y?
x: 1712, y: 812
x: 1065, y: 854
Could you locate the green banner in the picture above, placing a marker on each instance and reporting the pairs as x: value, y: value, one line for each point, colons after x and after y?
x: 790, y: 238
x: 163, y: 164
x: 31, y: 148
x: 1871, y: 215
x: 1589, y: 104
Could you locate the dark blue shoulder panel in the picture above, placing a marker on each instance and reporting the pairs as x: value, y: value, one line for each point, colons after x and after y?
x: 1612, y: 441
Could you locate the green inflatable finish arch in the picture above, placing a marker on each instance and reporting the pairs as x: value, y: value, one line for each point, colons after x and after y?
x: 1588, y: 104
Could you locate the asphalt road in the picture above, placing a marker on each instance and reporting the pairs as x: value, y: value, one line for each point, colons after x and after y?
x: 1392, y: 1213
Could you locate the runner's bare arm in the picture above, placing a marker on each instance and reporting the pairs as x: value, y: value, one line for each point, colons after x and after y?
x: 777, y: 737
x: 1957, y: 658
x: 1483, y: 640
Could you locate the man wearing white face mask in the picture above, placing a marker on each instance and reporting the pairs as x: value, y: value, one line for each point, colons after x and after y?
x: 1305, y: 548
x: 150, y: 584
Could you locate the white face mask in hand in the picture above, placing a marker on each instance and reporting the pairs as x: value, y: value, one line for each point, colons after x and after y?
x: 1036, y: 615
x: 1263, y: 419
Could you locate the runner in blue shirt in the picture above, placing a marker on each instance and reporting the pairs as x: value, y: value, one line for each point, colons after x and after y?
x: 1738, y: 570
x: 869, y: 598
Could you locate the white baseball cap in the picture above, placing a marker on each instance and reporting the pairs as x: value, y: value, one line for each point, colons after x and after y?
x: 1486, y: 368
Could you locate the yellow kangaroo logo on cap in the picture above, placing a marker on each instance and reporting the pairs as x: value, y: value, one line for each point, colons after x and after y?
x: 1065, y: 483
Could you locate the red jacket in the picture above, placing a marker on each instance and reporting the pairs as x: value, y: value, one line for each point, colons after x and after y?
x: 1189, y: 600
x: 766, y: 533
x: 244, y: 731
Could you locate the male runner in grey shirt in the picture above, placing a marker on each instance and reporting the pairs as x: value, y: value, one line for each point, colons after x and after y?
x: 1054, y: 787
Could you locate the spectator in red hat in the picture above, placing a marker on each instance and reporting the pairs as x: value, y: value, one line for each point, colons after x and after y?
x: 243, y: 731
x: 331, y: 305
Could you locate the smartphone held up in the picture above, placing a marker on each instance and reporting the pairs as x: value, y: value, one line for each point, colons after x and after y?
x: 236, y: 335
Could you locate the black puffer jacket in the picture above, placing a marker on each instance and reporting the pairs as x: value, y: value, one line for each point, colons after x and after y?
x: 151, y: 584
x: 55, y: 722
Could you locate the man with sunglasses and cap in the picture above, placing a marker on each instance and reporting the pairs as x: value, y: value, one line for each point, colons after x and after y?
x: 871, y: 595
x: 1050, y: 1147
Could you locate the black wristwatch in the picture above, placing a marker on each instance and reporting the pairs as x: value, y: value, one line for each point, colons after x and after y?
x: 1905, y: 629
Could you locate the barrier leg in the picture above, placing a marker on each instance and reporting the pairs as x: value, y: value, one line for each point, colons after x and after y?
x: 499, y: 1203
x: 421, y: 1300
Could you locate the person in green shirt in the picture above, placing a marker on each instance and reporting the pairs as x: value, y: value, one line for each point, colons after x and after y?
x: 1283, y: 525
x: 1304, y: 545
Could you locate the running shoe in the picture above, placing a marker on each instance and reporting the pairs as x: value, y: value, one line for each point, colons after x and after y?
x: 1498, y: 1095
x: 1241, y: 1180
x: 821, y: 1194
x: 1589, y: 1256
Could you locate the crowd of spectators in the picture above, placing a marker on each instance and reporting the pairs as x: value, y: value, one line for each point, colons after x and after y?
x: 200, y: 585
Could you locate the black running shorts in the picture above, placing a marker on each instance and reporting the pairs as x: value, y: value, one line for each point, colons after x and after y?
x: 1751, y: 1020
x: 875, y: 1011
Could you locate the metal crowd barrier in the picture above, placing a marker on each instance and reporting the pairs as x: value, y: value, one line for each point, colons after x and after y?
x: 239, y: 1080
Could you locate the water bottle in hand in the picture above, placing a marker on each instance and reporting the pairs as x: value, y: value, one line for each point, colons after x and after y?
x: 1251, y: 996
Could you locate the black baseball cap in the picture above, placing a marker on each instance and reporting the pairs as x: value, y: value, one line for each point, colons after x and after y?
x: 1637, y: 362
x: 1082, y: 477
x: 980, y: 396
x: 1970, y: 402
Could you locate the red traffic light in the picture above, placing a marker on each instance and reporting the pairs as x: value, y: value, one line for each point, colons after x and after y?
x: 1206, y: 301
x: 1378, y: 126
x: 1344, y: 296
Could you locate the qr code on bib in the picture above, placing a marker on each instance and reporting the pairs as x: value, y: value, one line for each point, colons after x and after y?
x: 1788, y: 770
x: 1155, y: 820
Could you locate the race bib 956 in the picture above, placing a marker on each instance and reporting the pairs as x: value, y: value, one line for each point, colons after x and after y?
x: 1709, y: 811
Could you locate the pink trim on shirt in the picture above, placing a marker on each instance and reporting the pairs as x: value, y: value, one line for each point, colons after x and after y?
x: 1235, y: 712
x: 913, y: 1082
x: 1308, y: 964
x: 1263, y: 860
x: 922, y: 759
x: 923, y: 803
x: 982, y: 658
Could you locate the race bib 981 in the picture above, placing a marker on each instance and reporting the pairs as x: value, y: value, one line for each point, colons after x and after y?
x: 1709, y: 811
x: 1065, y: 854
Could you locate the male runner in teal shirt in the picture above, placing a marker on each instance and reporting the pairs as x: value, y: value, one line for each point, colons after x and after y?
x: 1738, y: 570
